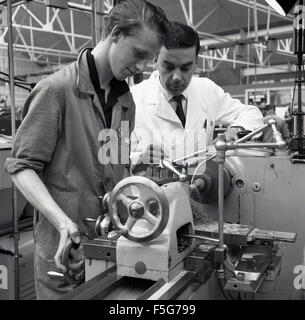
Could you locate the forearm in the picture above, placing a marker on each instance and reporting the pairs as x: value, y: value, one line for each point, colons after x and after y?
x: 238, y: 114
x: 35, y: 191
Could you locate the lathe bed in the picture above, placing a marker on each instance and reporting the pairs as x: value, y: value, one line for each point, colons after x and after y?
x: 199, y: 267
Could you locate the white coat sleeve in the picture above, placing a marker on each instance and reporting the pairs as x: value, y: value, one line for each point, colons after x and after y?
x: 236, y: 113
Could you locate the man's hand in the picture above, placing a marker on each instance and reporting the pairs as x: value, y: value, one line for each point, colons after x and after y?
x: 232, y: 134
x: 68, y: 229
x: 153, y: 154
x: 35, y: 191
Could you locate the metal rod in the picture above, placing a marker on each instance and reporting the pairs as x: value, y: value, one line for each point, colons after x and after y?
x: 220, y: 202
x: 74, y: 6
x: 245, y: 138
x: 221, y: 147
x: 167, y: 165
x: 93, y: 22
x: 298, y: 127
x: 78, y: 7
x: 13, y: 130
x: 257, y: 145
x: 191, y: 12
x: 199, y: 237
x: 252, y: 134
x: 100, y: 7
x: 191, y: 155
x: 255, y: 20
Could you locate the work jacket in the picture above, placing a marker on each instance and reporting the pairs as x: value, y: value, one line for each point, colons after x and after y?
x: 207, y: 104
x: 63, y: 137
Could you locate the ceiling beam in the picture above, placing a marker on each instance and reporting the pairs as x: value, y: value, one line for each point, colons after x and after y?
x: 261, y: 8
x: 276, y: 32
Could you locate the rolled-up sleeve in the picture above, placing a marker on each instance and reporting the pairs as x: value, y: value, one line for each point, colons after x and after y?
x: 36, y: 138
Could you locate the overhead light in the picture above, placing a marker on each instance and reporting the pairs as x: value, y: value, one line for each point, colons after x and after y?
x: 281, y: 6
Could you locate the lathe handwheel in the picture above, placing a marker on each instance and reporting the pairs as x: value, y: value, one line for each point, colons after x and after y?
x: 144, y: 200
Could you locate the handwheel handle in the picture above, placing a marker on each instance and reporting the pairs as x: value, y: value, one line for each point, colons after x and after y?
x: 115, y: 234
x: 70, y: 276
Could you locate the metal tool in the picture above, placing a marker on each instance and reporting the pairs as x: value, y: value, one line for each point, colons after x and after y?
x: 200, y: 238
x: 73, y: 277
x: 166, y: 164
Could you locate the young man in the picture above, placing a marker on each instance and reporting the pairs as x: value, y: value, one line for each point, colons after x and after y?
x: 56, y: 160
x: 176, y: 112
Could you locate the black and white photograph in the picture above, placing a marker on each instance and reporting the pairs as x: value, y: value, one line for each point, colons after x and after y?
x: 152, y: 153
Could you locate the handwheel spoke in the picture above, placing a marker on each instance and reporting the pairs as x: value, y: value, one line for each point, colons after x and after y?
x: 125, y: 200
x: 150, y: 218
x: 132, y: 192
x: 130, y: 223
x: 147, y: 209
x: 144, y: 196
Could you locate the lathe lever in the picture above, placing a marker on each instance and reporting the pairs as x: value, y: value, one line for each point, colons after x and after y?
x: 167, y: 165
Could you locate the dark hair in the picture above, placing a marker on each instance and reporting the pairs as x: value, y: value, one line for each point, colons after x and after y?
x: 182, y: 36
x: 129, y: 15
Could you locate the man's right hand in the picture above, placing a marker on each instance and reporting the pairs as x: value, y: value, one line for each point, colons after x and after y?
x: 35, y: 191
x: 69, y: 229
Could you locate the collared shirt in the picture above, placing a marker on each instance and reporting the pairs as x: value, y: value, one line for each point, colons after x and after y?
x: 60, y: 138
x: 173, y: 103
x: 118, y: 88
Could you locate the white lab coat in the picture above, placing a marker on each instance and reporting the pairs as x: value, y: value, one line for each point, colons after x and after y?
x: 157, y: 123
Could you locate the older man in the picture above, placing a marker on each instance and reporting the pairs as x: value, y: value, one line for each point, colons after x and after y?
x: 175, y: 111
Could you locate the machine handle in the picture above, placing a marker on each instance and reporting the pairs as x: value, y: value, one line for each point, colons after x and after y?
x: 72, y: 277
x: 167, y: 165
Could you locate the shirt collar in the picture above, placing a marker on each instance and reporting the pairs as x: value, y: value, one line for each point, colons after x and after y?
x: 84, y: 83
x: 168, y: 96
x: 118, y: 88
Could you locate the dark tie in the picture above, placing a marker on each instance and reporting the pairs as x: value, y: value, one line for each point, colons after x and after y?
x: 179, y: 109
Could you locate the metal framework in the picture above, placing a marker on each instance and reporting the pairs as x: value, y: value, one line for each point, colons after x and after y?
x: 61, y: 26
x: 262, y: 44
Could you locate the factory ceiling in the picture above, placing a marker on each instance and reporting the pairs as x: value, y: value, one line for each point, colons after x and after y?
x: 233, y: 33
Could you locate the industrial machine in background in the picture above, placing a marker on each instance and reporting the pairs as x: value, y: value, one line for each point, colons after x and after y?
x: 171, y: 236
